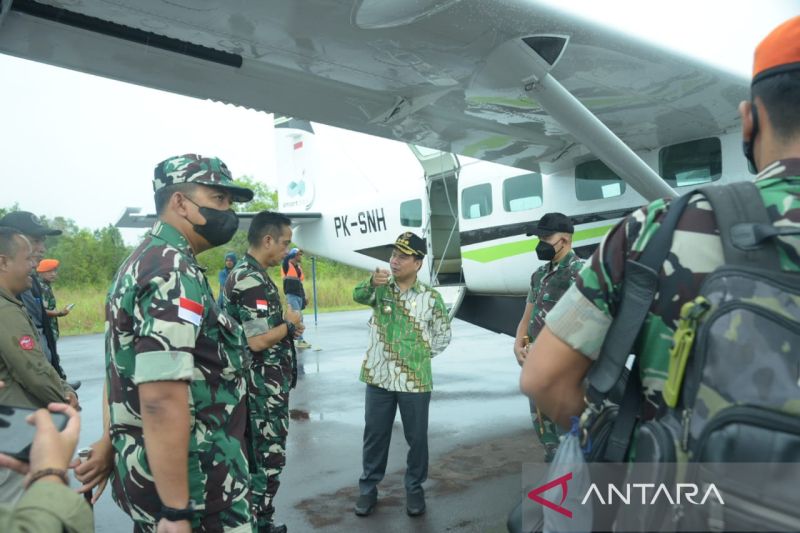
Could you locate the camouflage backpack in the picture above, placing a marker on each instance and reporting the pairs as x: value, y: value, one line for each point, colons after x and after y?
x: 732, y: 389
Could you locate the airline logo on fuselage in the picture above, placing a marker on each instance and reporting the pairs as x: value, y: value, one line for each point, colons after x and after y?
x: 370, y: 221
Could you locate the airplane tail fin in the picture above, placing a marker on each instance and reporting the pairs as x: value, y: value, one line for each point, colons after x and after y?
x: 294, y: 147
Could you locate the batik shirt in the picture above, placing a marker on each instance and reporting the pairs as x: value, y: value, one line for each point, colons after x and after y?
x: 584, y: 314
x: 548, y: 285
x: 406, y: 330
x: 252, y: 299
x: 162, y: 324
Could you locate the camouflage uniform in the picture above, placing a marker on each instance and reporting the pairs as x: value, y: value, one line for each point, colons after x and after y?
x: 252, y: 299
x: 49, y: 302
x: 163, y: 324
x: 583, y: 315
x: 548, y: 284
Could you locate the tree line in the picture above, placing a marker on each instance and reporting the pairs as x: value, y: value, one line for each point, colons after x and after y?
x: 91, y: 257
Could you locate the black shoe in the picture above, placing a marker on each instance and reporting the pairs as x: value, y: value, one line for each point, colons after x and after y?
x: 415, y: 503
x: 365, y: 504
x: 75, y: 385
x: 273, y: 528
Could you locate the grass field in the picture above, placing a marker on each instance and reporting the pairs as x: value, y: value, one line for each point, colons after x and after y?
x: 334, y: 293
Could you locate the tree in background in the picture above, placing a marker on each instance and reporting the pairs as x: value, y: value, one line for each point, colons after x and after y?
x: 88, y: 257
x: 92, y: 257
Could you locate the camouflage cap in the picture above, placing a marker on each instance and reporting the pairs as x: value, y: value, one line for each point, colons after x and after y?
x: 193, y: 168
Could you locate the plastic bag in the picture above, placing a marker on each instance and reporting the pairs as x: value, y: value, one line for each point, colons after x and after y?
x: 569, y: 473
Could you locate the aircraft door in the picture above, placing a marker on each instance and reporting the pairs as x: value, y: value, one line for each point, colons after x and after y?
x: 441, y: 231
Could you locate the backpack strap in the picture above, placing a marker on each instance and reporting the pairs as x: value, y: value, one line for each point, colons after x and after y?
x: 638, y: 290
x: 744, y: 225
x: 620, y: 437
x: 639, y: 287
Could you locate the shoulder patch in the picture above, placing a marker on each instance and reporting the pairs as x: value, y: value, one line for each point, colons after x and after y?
x: 27, y: 343
x: 190, y: 311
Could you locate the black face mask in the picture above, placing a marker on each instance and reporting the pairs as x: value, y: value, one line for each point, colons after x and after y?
x: 545, y: 251
x: 220, y: 226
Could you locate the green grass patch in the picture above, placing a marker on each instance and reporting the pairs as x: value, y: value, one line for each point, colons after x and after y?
x: 334, y: 293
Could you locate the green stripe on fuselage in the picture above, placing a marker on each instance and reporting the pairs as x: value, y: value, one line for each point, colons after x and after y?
x: 509, y: 249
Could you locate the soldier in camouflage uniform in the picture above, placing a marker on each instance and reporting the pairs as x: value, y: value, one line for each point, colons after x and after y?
x: 548, y: 284
x: 47, y: 271
x: 175, y: 364
x: 251, y: 298
x: 409, y: 325
x: 577, y: 326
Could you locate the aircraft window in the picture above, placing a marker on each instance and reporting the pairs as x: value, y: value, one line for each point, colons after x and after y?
x: 595, y: 181
x: 521, y: 193
x: 411, y: 213
x: 476, y: 201
x: 691, y: 163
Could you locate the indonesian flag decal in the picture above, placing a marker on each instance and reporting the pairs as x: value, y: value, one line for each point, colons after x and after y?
x: 190, y: 311
x: 261, y: 305
x: 298, y: 145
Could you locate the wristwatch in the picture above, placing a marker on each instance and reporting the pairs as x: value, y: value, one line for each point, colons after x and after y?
x: 176, y: 515
x: 290, y: 327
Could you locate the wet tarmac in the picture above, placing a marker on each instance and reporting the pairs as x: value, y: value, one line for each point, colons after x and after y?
x: 479, y: 434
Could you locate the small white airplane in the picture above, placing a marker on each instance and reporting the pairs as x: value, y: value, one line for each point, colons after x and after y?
x: 575, y: 117
x: 473, y: 215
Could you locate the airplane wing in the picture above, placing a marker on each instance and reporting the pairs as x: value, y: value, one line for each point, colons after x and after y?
x: 453, y: 75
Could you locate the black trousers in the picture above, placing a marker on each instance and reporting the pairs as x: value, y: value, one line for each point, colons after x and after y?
x: 379, y: 413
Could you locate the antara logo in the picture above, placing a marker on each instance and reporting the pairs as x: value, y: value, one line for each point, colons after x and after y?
x: 682, y: 492
x: 561, y: 481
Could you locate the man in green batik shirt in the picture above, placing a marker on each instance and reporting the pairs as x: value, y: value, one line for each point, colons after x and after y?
x: 175, y: 364
x: 409, y: 325
x: 251, y: 298
x: 548, y: 284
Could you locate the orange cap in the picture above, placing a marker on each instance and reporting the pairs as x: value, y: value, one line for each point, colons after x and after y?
x: 779, y: 51
x: 46, y: 265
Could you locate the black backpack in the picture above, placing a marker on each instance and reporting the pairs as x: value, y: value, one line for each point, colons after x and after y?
x: 733, y: 391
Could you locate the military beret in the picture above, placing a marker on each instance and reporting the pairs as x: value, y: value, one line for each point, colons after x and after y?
x: 46, y: 265
x: 779, y: 51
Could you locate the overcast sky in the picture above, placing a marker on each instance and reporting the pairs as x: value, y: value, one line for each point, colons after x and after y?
x: 84, y: 147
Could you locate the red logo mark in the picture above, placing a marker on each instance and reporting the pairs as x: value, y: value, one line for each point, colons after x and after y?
x: 562, y: 481
x: 26, y: 343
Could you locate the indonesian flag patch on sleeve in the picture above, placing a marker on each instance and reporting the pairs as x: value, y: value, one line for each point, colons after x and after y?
x: 190, y: 311
x: 261, y: 305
